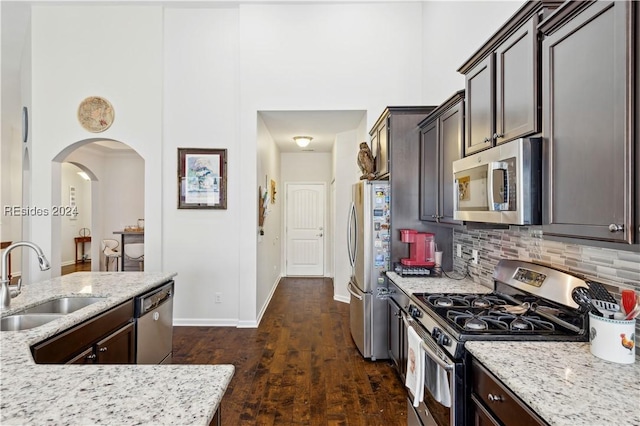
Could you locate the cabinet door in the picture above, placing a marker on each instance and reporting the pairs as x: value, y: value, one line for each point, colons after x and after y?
x: 382, y: 158
x: 87, y: 356
x: 429, y: 172
x: 587, y: 110
x: 118, y: 347
x: 517, y: 97
x: 451, y: 134
x: 479, y: 121
x: 394, y: 322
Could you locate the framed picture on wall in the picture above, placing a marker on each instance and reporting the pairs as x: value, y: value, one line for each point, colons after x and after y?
x: 202, y: 178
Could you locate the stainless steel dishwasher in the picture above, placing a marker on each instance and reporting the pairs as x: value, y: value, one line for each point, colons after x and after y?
x: 154, y: 325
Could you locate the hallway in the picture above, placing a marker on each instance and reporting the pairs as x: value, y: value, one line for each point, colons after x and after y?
x: 299, y: 367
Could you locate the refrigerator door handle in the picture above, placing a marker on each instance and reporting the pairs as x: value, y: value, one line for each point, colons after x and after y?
x: 353, y: 293
x: 353, y: 222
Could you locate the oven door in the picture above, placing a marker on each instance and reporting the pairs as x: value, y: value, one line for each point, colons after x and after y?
x: 436, y: 408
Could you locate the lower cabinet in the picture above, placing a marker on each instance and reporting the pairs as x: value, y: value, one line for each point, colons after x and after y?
x: 494, y: 404
x: 108, y: 338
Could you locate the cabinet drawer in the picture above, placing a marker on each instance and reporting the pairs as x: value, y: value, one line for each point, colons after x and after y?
x: 66, y: 345
x: 500, y: 401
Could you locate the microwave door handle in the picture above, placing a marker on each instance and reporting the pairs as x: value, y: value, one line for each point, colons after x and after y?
x: 496, y: 165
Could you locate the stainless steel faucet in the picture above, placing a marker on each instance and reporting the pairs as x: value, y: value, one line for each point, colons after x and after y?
x: 10, y: 291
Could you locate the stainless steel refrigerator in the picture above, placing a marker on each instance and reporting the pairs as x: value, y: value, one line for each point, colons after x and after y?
x: 368, y: 241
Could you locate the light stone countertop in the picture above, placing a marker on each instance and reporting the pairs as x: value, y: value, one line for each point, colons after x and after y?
x: 100, y: 394
x: 442, y: 284
x: 564, y: 383
x: 561, y: 381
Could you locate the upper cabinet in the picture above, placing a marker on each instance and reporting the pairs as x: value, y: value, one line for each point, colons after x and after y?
x: 590, y: 95
x: 395, y: 134
x: 441, y: 136
x: 501, y: 79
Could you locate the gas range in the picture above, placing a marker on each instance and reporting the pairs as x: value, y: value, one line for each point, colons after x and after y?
x: 529, y: 302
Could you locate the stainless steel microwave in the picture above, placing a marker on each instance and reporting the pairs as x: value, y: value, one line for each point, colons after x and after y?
x: 501, y: 184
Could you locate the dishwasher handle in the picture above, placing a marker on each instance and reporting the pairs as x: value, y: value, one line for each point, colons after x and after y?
x: 150, y: 301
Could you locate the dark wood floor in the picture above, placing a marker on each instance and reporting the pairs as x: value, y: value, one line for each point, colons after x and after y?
x: 299, y: 367
x: 76, y: 267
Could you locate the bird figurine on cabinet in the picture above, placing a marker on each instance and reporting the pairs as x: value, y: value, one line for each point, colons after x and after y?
x: 366, y: 162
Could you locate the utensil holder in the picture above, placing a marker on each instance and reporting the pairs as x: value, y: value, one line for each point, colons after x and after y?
x: 612, y: 340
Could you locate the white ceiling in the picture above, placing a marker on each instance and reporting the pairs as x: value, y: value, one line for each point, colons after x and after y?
x: 322, y: 126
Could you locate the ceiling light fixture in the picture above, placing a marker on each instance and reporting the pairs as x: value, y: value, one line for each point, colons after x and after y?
x: 302, y: 141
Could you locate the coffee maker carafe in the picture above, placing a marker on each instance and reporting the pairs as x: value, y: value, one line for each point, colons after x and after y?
x: 422, y: 248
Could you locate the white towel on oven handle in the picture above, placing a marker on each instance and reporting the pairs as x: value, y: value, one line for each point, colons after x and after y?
x: 415, y: 366
x: 437, y: 382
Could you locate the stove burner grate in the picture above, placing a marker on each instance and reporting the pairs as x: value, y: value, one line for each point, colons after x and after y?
x: 464, y: 300
x: 498, y: 321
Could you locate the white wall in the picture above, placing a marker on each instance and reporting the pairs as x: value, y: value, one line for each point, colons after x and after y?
x: 319, y: 57
x: 346, y: 174
x: 77, y: 52
x: 71, y: 225
x: 201, y: 111
x: 269, y: 249
x: 452, y: 32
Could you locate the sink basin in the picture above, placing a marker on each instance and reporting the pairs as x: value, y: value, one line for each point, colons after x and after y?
x: 63, y: 305
x: 23, y: 322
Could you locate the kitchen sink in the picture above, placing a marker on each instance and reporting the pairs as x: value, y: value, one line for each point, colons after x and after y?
x: 63, y: 305
x: 45, y: 312
x: 23, y: 322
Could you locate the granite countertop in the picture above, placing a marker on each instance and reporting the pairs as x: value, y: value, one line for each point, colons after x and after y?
x: 561, y: 381
x: 99, y: 394
x: 564, y: 383
x: 442, y: 284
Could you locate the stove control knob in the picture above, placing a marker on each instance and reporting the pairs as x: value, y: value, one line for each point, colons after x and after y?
x: 441, y: 338
x: 414, y: 311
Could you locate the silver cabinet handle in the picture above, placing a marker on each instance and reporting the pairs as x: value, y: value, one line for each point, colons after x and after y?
x: 614, y: 227
x: 487, y: 139
x: 498, y: 135
x: 92, y: 356
x: 495, y: 398
x: 319, y: 235
x: 104, y: 349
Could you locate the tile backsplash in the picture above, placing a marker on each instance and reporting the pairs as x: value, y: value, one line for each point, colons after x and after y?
x: 615, y: 269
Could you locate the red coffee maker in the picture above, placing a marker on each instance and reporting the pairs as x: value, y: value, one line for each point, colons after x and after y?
x: 422, y: 248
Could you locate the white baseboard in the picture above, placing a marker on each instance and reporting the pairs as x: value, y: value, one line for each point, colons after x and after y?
x: 266, y: 303
x: 209, y: 322
x: 343, y: 299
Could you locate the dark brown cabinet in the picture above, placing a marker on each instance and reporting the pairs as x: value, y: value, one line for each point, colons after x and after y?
x: 494, y: 404
x: 380, y: 148
x: 108, y: 338
x: 397, y: 129
x: 501, y: 82
x: 588, y: 89
x: 441, y: 139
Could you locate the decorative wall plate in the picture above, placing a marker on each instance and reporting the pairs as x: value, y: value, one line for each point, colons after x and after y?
x: 95, y: 114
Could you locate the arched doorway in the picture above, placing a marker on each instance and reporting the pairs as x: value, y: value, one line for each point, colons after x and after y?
x: 114, y: 195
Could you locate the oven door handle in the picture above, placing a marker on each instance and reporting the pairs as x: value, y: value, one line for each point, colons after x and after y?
x: 430, y: 352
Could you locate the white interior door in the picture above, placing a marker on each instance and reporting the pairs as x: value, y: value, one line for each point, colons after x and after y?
x: 305, y: 229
